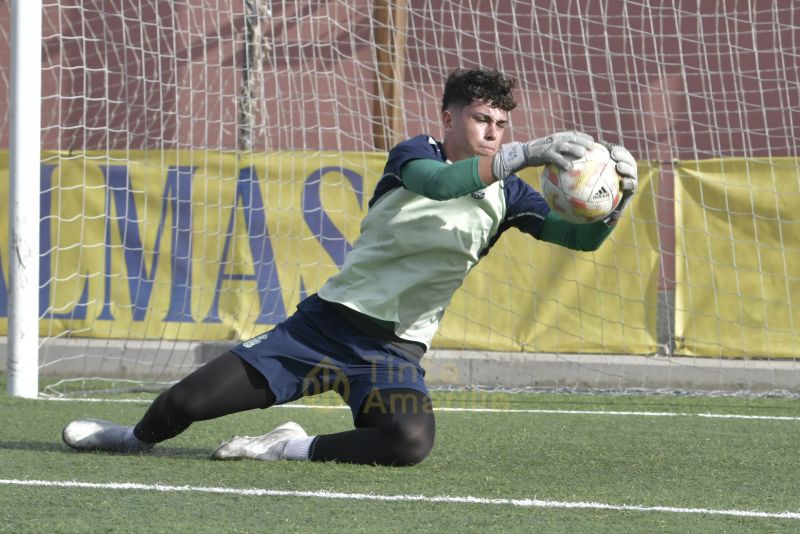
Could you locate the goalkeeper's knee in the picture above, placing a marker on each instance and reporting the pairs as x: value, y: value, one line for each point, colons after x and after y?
x: 410, y: 443
x: 406, y: 423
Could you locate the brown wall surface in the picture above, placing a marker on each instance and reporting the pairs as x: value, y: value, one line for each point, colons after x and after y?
x: 671, y: 80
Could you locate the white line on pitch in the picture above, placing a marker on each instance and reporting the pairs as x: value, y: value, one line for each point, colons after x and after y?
x: 323, y: 494
x: 493, y: 410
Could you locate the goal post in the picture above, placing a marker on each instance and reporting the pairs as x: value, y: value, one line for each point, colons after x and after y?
x: 23, y: 202
x: 203, y: 165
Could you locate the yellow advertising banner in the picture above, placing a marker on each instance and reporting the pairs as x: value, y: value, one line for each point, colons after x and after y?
x: 195, y: 245
x: 737, y: 258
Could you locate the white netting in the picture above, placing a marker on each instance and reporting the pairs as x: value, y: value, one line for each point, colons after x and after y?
x: 207, y: 163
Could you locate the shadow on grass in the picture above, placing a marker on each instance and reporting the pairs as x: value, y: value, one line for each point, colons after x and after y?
x: 58, y: 446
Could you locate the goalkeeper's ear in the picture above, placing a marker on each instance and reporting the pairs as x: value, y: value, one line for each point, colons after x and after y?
x: 447, y: 119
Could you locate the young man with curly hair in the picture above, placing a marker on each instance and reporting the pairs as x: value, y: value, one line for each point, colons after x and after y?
x: 437, y: 210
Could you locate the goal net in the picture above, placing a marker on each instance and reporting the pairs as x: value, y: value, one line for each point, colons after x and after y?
x: 206, y: 165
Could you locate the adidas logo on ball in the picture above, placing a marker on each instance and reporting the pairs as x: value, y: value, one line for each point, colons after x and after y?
x: 601, y: 194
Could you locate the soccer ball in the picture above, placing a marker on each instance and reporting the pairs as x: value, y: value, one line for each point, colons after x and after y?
x: 587, y: 193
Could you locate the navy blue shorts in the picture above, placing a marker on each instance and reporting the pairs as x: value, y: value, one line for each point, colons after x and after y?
x: 317, y: 350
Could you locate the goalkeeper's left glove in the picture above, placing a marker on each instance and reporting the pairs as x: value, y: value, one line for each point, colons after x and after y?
x: 628, y: 178
x: 559, y: 149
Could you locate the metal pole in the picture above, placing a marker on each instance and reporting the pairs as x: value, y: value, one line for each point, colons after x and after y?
x: 390, y: 54
x: 252, y: 56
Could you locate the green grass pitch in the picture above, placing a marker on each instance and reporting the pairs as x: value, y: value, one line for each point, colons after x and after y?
x: 632, y: 471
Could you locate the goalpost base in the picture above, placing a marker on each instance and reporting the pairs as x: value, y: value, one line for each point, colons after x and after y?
x: 161, y: 361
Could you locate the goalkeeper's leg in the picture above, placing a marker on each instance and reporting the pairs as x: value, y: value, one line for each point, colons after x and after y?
x: 393, y: 427
x: 225, y: 385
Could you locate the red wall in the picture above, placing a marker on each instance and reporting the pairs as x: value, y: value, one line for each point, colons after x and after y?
x: 719, y: 79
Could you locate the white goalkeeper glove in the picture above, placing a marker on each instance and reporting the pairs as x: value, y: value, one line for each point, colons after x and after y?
x: 628, y: 178
x: 559, y: 149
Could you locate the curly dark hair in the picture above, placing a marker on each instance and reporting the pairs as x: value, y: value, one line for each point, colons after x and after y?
x: 465, y: 85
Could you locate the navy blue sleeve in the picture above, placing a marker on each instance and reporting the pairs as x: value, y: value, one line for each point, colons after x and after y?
x: 526, y: 208
x: 419, y: 147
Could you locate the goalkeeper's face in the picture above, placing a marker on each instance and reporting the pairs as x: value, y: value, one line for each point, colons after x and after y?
x: 473, y: 130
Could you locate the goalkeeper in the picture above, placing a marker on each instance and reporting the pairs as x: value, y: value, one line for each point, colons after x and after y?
x: 437, y: 210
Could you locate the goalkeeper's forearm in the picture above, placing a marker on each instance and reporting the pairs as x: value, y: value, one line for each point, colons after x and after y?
x: 442, y: 181
x: 584, y: 237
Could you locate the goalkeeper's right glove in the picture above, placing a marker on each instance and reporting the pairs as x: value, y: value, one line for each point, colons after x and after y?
x: 558, y: 149
x: 628, y: 178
